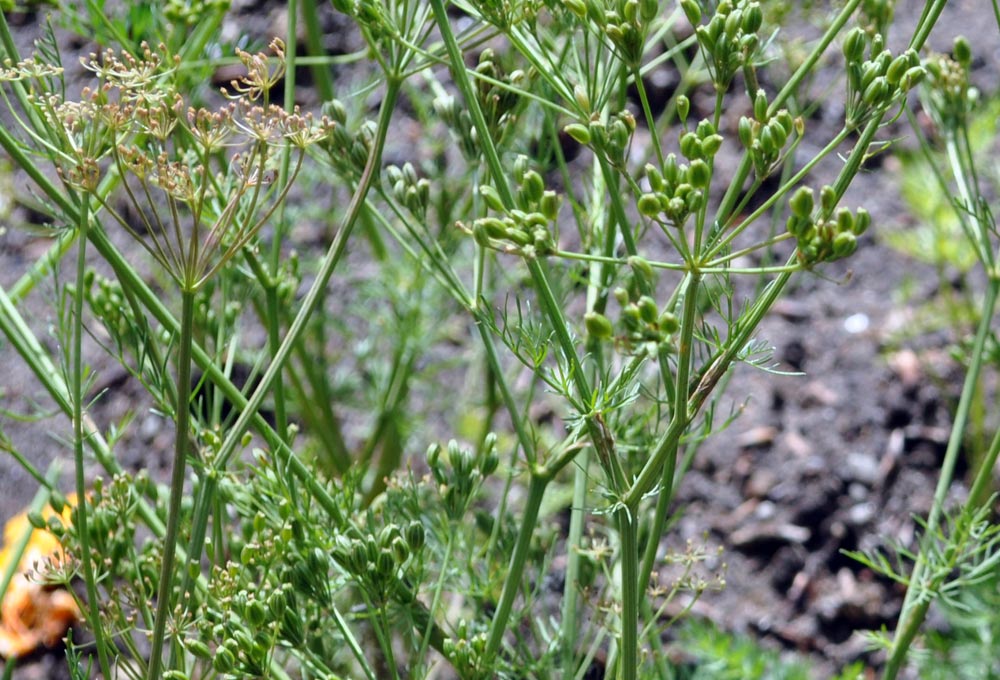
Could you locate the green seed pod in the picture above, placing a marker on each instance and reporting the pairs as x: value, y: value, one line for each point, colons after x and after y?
x: 649, y: 205
x: 630, y: 316
x: 578, y: 132
x: 533, y: 186
x: 827, y: 199
x: 705, y: 129
x: 745, y: 131
x: 732, y: 24
x: 577, y: 7
x: 877, y: 92
x: 854, y: 46
x: 845, y: 220
x: 844, y: 244
x: 400, y: 550
x: 897, y: 68
x: 912, y: 78
x: 683, y: 108
x: 648, y: 309
x: 668, y: 323
x: 641, y: 270
x: 648, y: 10
x: 255, y: 613
x: 691, y: 146
x: 415, y: 535
x: 778, y: 133
x: 676, y: 209
x: 797, y: 226
x: 692, y: 11
x: 862, y: 220
x: 198, y: 648
x: 768, y: 144
x: 335, y: 111
x: 598, y: 326
x: 490, y: 462
x: 699, y: 174
x: 621, y: 296
x: 277, y: 601
x: 631, y: 10
x: 711, y: 145
x: 961, y: 50
x: 36, y: 520
x: 549, y: 205
x: 693, y: 201
x: 760, y: 106
x: 224, y: 660
x: 655, y: 178
x: 753, y: 18
x: 671, y: 173
x: 785, y: 120
x: 801, y: 202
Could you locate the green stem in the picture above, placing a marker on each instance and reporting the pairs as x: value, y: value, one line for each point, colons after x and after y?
x: 182, y: 418
x: 81, y: 516
x: 513, y: 582
x: 628, y: 652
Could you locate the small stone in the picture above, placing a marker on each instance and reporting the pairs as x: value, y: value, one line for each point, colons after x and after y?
x: 862, y: 468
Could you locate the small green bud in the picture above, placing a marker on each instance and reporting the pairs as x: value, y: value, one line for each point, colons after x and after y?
x: 256, y: 613
x: 671, y: 172
x: 699, y: 174
x: 691, y: 146
x: 845, y: 220
x: 655, y: 177
x: 649, y: 205
x: 415, y: 535
x: 844, y: 244
x: 36, y: 520
x: 631, y: 10
x: 577, y: 7
x: 641, y: 269
x: 711, y: 145
x: 760, y: 106
x: 705, y: 129
x: 581, y: 97
x: 692, y: 11
x: 533, y: 186
x: 753, y: 18
x: 745, y: 130
x: 778, y: 133
x: 876, y: 92
x: 520, y: 168
x: 801, y: 202
x: 580, y: 133
x: 648, y: 310
x: 224, y: 660
x: 854, y: 46
x: 198, y: 648
x: 961, y: 50
x: 912, y: 78
x: 683, y: 108
x: 797, y: 226
x: 668, y: 323
x: 827, y: 199
x: 598, y: 326
x: 621, y: 296
x: 862, y: 220
x: 549, y: 205
x: 648, y: 10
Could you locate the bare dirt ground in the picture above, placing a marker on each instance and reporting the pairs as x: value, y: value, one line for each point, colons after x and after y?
x: 833, y: 459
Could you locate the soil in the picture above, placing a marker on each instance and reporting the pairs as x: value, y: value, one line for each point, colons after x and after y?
x: 837, y: 458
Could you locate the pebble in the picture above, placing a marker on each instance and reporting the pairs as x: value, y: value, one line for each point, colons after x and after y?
x: 856, y: 323
x: 862, y: 468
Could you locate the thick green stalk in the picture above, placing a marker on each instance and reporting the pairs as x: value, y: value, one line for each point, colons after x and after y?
x: 628, y: 646
x: 81, y: 516
x: 182, y: 421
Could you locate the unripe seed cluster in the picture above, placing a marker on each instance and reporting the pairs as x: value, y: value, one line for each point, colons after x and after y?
x: 378, y: 561
x: 729, y: 40
x: 765, y: 136
x: 832, y: 234
x: 875, y: 83
x: 950, y: 98
x: 642, y: 325
x: 409, y: 189
x: 459, y: 472
x: 528, y: 229
x: 679, y: 189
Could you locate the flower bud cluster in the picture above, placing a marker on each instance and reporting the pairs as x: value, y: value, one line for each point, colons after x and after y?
x: 610, y: 137
x: 624, y: 22
x: 729, y: 40
x: 459, y: 472
x: 949, y: 97
x: 679, y: 189
x: 828, y: 235
x: 347, y: 152
x: 765, y: 136
x: 459, y: 122
x: 528, y: 229
x: 407, y: 188
x: 641, y: 326
x: 466, y: 650
x: 498, y: 103
x: 248, y: 628
x: 378, y: 561
x: 876, y: 83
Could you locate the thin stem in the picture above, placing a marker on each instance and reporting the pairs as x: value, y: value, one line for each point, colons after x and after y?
x: 81, y: 519
x: 182, y: 417
x: 628, y: 651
